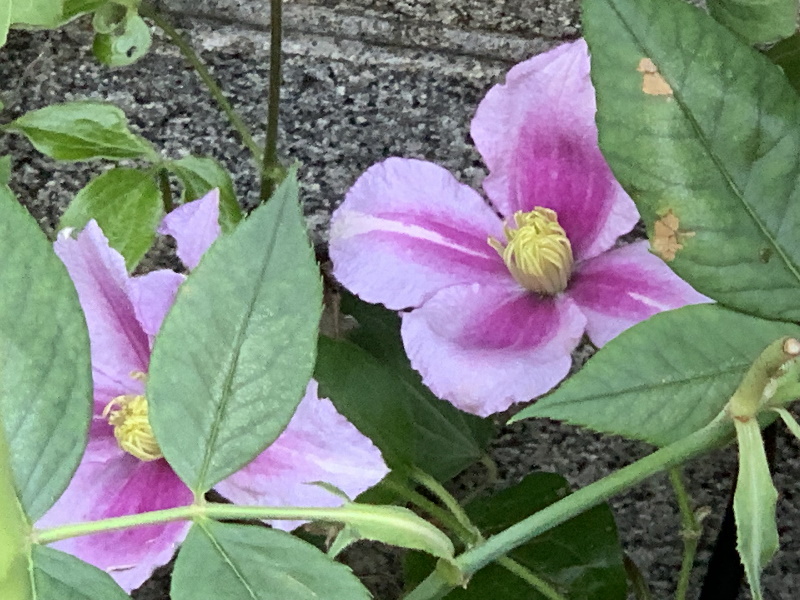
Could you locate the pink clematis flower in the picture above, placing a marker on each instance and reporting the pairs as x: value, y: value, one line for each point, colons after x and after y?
x: 502, y: 294
x: 122, y: 471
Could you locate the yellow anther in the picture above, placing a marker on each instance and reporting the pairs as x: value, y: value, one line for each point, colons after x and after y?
x: 537, y: 251
x: 128, y: 416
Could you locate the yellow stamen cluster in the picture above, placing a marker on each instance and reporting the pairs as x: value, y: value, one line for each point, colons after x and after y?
x: 537, y: 251
x: 128, y: 416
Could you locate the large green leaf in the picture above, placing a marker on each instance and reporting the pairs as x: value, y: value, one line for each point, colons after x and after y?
x: 754, y: 505
x: 126, y: 203
x: 581, y: 559
x: 664, y: 378
x: 14, y: 532
x: 60, y: 576
x: 81, y: 131
x: 200, y: 175
x: 246, y: 562
x: 40, y: 13
x: 704, y: 132
x: 408, y: 425
x: 236, y: 351
x: 757, y: 21
x: 45, y: 369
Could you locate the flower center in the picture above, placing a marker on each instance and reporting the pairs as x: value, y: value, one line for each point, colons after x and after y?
x: 537, y: 251
x: 128, y: 416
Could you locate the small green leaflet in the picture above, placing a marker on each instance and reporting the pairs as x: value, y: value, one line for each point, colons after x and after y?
x: 60, y: 576
x: 200, y: 175
x: 126, y: 203
x: 82, y: 131
x: 754, y: 505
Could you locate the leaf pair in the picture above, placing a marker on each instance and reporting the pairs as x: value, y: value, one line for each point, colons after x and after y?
x: 125, y: 202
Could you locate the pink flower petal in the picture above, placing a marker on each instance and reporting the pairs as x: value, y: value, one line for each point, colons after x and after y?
x: 111, y: 483
x: 407, y: 229
x: 152, y: 296
x: 195, y: 226
x: 118, y: 343
x: 625, y: 286
x: 537, y: 135
x: 318, y: 445
x: 487, y: 347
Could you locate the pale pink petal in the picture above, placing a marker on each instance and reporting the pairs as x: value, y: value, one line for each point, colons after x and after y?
x: 625, y: 286
x: 111, y: 483
x: 119, y: 345
x: 537, y: 134
x: 195, y: 226
x: 152, y: 296
x: 318, y: 445
x: 407, y: 229
x: 486, y: 347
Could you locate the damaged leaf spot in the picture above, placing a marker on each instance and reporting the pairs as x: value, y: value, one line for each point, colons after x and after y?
x: 667, y: 237
x: 764, y: 255
x: 652, y: 81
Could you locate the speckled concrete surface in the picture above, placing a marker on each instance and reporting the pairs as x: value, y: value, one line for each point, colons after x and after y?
x: 367, y: 79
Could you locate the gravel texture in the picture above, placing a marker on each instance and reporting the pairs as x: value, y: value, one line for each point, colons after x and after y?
x: 367, y: 79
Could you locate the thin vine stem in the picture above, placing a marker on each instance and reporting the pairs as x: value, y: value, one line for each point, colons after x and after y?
x: 529, y: 577
x: 166, y: 190
x: 716, y: 433
x: 690, y: 531
x: 452, y: 505
x: 441, y: 515
x: 271, y: 168
x: 150, y: 12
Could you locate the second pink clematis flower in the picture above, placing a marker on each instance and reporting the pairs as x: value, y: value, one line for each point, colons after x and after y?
x: 502, y: 293
x: 122, y: 471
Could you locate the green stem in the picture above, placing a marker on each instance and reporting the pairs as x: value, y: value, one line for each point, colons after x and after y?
x: 438, y: 490
x: 714, y: 434
x: 149, y: 11
x: 271, y: 168
x: 355, y: 513
x: 531, y: 578
x: 690, y: 531
x: 166, y: 190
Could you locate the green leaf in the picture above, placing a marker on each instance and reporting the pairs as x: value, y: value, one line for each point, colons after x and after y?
x: 124, y: 47
x: 5, y: 170
x: 408, y: 425
x: 664, y: 378
x: 14, y: 533
x: 75, y: 8
x: 236, y: 351
x: 39, y: 13
x: 60, y: 576
x: 754, y: 505
x: 790, y: 421
x: 200, y: 175
x: 45, y: 369
x: 786, y: 54
x: 126, y: 203
x: 5, y: 21
x: 581, y: 559
x: 703, y: 132
x: 110, y: 18
x: 757, y: 21
x: 81, y: 131
x: 238, y: 562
